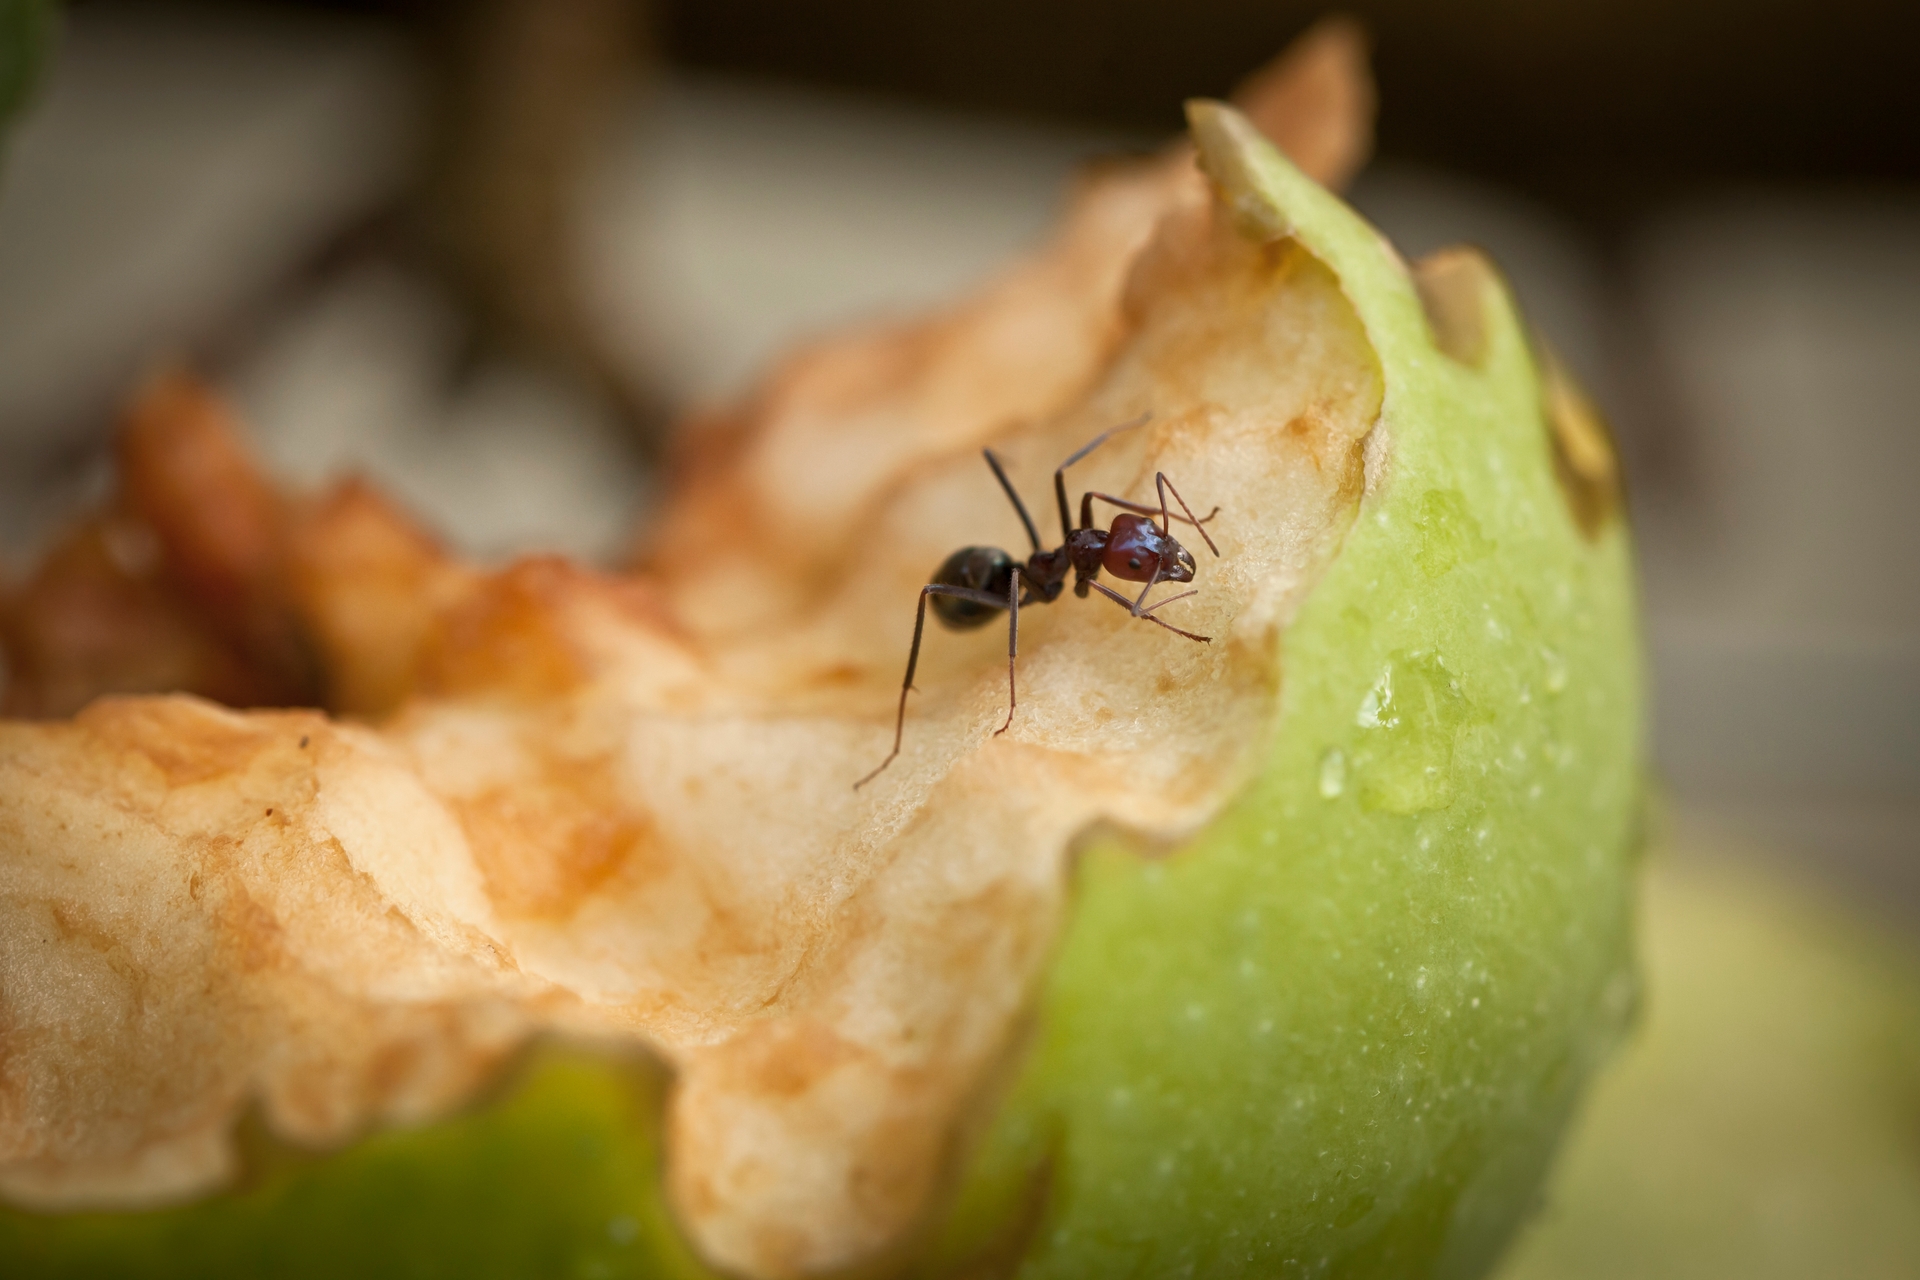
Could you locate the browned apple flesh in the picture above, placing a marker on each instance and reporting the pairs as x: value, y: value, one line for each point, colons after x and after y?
x: 621, y: 806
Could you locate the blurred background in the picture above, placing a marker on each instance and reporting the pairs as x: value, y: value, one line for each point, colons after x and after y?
x: 488, y: 252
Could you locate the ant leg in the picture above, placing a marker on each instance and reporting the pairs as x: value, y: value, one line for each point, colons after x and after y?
x: 1013, y: 496
x: 1169, y: 600
x: 1147, y: 613
x: 1141, y: 599
x: 1124, y: 603
x: 913, y: 659
x: 1166, y: 486
x: 1013, y: 645
x: 1138, y: 508
x: 1060, y: 472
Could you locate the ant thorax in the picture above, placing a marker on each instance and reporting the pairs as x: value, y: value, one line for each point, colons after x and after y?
x: 1047, y: 574
x: 1086, y: 548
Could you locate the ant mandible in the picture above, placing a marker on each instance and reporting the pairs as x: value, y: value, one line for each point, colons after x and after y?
x: 975, y: 583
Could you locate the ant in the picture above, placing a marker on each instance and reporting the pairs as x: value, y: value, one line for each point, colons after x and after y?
x: 975, y: 583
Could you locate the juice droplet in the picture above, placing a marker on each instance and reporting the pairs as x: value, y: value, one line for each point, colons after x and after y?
x: 1412, y: 715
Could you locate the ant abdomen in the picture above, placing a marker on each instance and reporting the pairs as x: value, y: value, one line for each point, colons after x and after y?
x: 986, y: 569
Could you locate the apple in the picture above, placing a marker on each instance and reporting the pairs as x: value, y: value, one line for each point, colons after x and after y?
x: 1338, y: 1028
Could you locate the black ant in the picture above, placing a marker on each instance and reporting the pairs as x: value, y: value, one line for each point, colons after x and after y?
x: 975, y: 583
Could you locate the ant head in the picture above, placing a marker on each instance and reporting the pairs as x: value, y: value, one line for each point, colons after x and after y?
x: 1137, y: 551
x: 1181, y: 568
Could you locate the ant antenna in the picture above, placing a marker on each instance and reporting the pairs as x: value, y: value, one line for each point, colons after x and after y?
x: 1013, y: 495
x: 1060, y: 472
x: 1166, y: 486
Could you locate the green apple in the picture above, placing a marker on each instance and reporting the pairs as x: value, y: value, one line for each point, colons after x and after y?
x: 1336, y: 1032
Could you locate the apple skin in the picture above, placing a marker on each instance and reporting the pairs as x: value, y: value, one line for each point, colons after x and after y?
x: 558, y: 1177
x: 1338, y: 1033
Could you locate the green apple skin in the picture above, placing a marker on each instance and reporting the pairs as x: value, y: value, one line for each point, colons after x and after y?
x: 557, y: 1179
x: 1337, y: 1034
